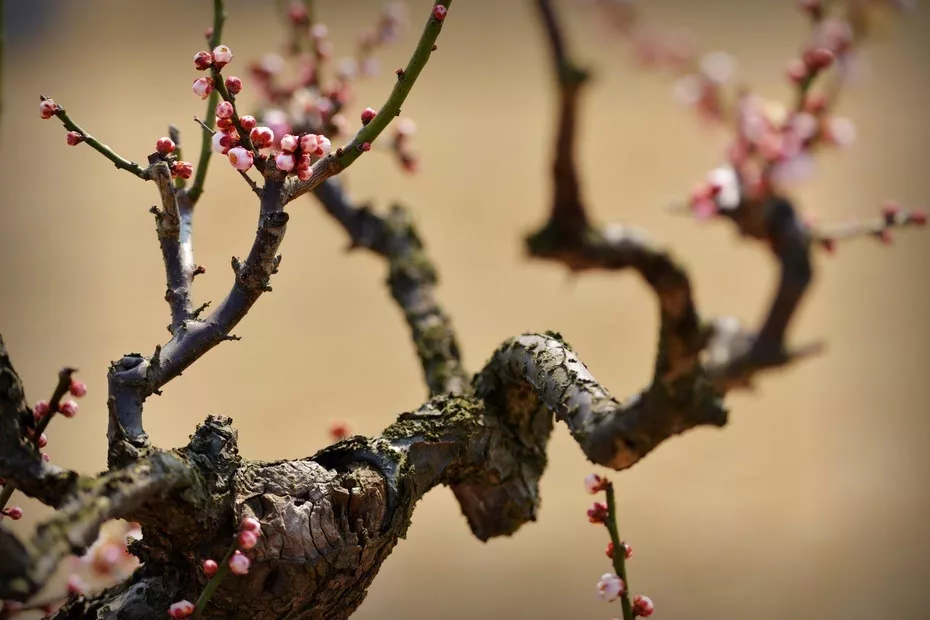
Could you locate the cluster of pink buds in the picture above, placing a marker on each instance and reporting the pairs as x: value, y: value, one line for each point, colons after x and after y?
x: 611, y: 586
x: 165, y: 147
x: 246, y: 538
x: 297, y: 151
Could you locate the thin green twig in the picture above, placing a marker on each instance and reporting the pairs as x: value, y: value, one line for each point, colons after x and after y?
x: 103, y: 149
x: 619, y: 559
x: 206, y: 142
x: 342, y: 158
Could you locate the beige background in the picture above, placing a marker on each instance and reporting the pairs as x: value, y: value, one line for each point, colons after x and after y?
x: 812, y: 503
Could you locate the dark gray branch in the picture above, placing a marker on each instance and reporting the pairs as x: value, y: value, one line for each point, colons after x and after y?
x: 173, y: 224
x: 412, y: 280
x: 134, y: 378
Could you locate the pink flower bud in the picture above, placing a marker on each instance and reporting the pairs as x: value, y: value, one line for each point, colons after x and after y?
x: 164, y: 146
x: 221, y: 56
x: 797, y: 70
x: 73, y: 138
x: 79, y: 388
x: 594, y: 483
x: 46, y: 457
x: 339, y: 430
x: 43, y: 440
x: 181, y: 609
x: 610, y: 587
x: 918, y: 217
x: 224, y: 109
x: 240, y: 158
x: 304, y: 173
x: 203, y: 87
x: 885, y: 237
x: 289, y: 143
x: 233, y: 85
x: 217, y: 142
x: 627, y: 549
x: 598, y: 513
x: 261, y: 137
x: 367, y: 115
x: 250, y: 524
x: 440, y: 12
x: 224, y: 124
x: 76, y: 585
x: 48, y: 108
x: 323, y: 147
x: 183, y: 169
x: 239, y: 564
x: 405, y: 127
x: 69, y: 408
x: 840, y: 131
x: 366, y: 146
x: 643, y: 606
x: 818, y: 58
x: 285, y: 162
x: 247, y: 539
x: 14, y: 512
x: 297, y: 13
x: 248, y: 122
x: 209, y: 567
x: 202, y: 60
x: 41, y: 409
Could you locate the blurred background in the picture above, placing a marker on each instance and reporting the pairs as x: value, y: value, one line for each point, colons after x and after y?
x: 811, y: 504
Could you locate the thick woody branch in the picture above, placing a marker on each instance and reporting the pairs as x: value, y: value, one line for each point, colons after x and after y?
x: 329, y: 521
x: 20, y: 462
x: 338, y: 161
x: 134, y: 378
x: 609, y: 432
x: 27, y: 566
x: 412, y: 281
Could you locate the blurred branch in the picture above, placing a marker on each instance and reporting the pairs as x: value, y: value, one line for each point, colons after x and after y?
x: 568, y: 212
x: 412, y: 281
x: 343, y: 157
x: 27, y: 566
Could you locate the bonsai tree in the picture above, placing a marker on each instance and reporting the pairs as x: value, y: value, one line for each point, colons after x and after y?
x: 213, y: 533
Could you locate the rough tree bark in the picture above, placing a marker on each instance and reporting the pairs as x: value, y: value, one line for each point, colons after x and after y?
x: 330, y: 520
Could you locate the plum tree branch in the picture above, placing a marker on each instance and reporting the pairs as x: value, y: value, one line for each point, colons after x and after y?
x: 343, y: 157
x: 412, y: 279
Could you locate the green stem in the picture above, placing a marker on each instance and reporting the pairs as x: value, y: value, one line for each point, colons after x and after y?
x: 103, y: 149
x: 619, y: 559
x: 220, y: 87
x: 206, y: 142
x: 340, y: 160
x: 214, y: 582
